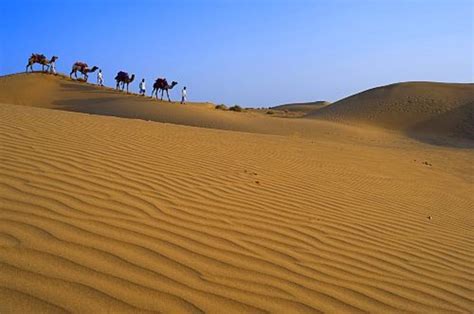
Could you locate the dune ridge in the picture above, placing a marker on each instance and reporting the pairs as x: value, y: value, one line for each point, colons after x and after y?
x: 134, y: 216
x: 432, y: 108
x: 59, y: 92
x: 435, y: 113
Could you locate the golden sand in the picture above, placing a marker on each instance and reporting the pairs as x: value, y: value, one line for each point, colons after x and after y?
x: 105, y: 214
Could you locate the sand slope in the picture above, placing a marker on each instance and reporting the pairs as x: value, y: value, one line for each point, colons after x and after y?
x: 417, y: 109
x: 107, y: 214
x: 424, y: 107
x: 305, y: 107
x: 58, y: 92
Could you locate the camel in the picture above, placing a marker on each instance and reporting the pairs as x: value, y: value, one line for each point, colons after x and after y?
x: 41, y: 59
x: 123, y: 78
x: 83, y: 68
x: 162, y: 84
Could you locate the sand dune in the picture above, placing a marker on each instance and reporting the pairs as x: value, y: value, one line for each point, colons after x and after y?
x: 61, y: 93
x: 417, y: 109
x: 58, y: 92
x: 120, y: 215
x: 423, y: 107
x: 100, y: 213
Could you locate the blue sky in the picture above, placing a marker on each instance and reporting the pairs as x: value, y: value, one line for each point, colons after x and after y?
x: 252, y: 53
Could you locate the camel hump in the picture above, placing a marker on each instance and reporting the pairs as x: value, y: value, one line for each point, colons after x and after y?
x: 38, y: 56
x: 121, y: 75
x: 81, y: 64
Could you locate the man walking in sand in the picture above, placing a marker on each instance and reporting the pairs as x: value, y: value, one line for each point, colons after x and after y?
x: 142, y: 87
x: 100, y: 78
x: 183, y: 95
x: 52, y: 66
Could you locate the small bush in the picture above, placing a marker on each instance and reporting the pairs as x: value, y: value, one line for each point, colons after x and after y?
x: 270, y: 112
x: 236, y: 108
x: 221, y: 107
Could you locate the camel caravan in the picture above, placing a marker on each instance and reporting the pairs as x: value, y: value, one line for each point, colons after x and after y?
x: 123, y: 79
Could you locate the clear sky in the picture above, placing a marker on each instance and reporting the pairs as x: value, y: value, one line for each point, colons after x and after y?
x: 252, y: 53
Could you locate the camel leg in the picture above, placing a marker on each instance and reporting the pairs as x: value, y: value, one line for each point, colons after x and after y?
x: 27, y: 67
x: 162, y: 93
x: 168, y: 94
x: 117, y: 85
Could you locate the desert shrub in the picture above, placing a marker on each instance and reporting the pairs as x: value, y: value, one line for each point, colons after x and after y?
x: 221, y: 107
x: 270, y: 112
x: 236, y: 108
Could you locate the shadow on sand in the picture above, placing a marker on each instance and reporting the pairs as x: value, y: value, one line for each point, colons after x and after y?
x: 451, y: 129
x: 454, y: 128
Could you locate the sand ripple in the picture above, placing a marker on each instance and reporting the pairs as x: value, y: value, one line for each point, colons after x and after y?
x: 100, y: 213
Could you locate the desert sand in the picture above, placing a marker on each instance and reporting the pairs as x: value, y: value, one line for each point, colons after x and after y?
x: 116, y: 203
x: 304, y: 107
x: 418, y: 107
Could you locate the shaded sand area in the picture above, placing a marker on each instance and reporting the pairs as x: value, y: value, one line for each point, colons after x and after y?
x: 424, y: 110
x: 101, y: 213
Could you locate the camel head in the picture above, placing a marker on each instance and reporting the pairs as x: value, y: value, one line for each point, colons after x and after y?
x: 94, y: 68
x: 173, y: 84
x: 54, y: 58
x: 132, y: 78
